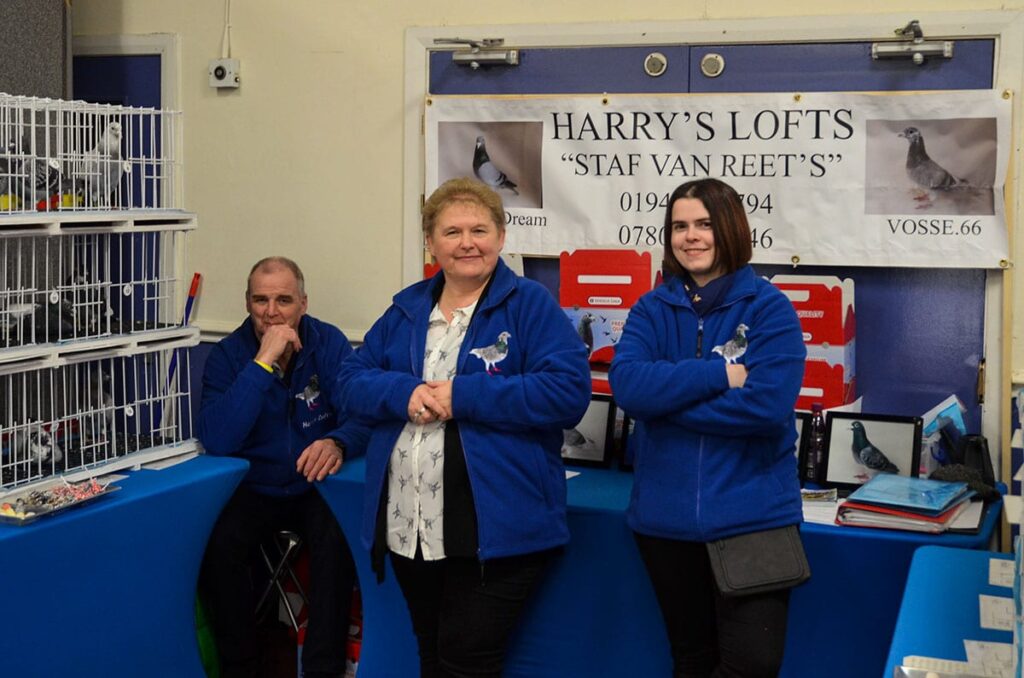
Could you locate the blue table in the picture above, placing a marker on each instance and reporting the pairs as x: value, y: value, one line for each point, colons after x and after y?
x: 940, y: 605
x: 596, y: 615
x: 108, y: 589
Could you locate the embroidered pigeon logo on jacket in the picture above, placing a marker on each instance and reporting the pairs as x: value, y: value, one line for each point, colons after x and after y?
x: 311, y: 393
x: 493, y: 354
x: 734, y: 349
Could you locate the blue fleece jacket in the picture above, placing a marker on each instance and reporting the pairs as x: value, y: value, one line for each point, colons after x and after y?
x: 510, y: 420
x: 712, y: 461
x: 248, y: 412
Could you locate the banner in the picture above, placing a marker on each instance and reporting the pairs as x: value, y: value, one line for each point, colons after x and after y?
x: 833, y: 179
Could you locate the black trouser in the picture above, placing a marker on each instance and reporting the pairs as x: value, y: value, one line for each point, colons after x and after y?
x: 228, y: 584
x: 463, y: 612
x: 711, y: 635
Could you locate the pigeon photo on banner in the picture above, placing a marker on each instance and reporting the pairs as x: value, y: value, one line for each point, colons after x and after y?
x: 859, y: 446
x: 923, y: 167
x: 504, y: 155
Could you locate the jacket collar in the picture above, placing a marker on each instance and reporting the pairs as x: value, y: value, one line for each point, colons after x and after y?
x: 418, y: 298
x: 744, y: 285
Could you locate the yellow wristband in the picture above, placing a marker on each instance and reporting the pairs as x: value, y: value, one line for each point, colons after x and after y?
x: 265, y: 366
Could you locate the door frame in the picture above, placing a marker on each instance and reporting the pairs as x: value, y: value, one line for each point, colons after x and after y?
x: 1006, y: 28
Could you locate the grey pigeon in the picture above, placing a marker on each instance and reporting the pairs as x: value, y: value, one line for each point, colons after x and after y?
x: 734, y: 349
x: 924, y: 171
x: 575, y: 445
x: 487, y: 172
x: 586, y: 332
x: 103, y: 168
x: 493, y: 354
x: 866, y: 454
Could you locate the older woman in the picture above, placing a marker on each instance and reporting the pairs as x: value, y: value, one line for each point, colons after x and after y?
x: 469, y: 379
x: 710, y: 365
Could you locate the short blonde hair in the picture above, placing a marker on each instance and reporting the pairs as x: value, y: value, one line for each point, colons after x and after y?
x: 464, y: 190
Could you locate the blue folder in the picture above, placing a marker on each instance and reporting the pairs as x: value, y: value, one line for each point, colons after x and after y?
x: 920, y: 495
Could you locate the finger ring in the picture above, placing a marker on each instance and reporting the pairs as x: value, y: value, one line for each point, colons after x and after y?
x: 421, y: 410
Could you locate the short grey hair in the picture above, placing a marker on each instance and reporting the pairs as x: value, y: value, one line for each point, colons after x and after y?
x: 268, y: 264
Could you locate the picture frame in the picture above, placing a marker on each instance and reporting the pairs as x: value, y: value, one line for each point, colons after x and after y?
x: 590, y: 442
x: 803, y: 424
x: 627, y: 444
x: 896, y: 438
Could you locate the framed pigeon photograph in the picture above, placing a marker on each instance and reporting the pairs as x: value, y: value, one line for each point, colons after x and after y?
x: 859, y: 446
x: 591, y: 441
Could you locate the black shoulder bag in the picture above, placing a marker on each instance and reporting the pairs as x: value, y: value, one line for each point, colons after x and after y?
x: 758, y: 562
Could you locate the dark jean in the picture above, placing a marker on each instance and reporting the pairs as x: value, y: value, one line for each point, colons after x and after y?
x: 711, y: 635
x: 463, y: 611
x: 227, y: 582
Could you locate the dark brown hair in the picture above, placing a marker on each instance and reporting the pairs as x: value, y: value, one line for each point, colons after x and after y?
x: 728, y: 224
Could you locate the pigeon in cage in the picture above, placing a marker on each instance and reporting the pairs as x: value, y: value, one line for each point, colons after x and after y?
x: 103, y: 168
x: 88, y: 301
x: 6, y: 168
x: 15, y: 320
x: 57, y: 323
x: 38, y: 447
x: 31, y: 182
x: 99, y: 423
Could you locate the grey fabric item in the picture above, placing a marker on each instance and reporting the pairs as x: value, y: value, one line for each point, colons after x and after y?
x: 758, y: 562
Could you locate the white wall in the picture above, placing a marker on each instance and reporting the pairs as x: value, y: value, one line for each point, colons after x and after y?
x: 307, y: 155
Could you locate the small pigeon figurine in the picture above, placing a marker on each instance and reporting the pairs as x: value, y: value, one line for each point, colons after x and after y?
x: 586, y: 332
x: 493, y: 354
x: 866, y: 454
x: 924, y: 171
x: 487, y: 172
x: 734, y: 349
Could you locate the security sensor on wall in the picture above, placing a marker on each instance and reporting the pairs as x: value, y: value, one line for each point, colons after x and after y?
x: 225, y: 73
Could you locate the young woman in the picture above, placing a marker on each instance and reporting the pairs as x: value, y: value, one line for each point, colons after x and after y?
x: 710, y: 366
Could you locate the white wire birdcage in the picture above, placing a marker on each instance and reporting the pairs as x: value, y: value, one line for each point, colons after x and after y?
x: 102, y: 412
x: 72, y: 156
x: 87, y: 285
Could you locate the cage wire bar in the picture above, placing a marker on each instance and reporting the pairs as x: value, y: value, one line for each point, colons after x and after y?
x: 73, y: 156
x: 54, y: 421
x: 80, y: 286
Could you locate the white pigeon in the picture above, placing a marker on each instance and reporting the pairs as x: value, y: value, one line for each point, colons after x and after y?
x: 104, y: 167
x: 493, y: 354
x: 734, y: 349
x: 487, y: 172
x: 39, y: 447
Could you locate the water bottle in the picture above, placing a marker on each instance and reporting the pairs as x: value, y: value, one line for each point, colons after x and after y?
x: 816, y: 444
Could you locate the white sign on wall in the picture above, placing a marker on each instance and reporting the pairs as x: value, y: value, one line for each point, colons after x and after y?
x: 831, y: 179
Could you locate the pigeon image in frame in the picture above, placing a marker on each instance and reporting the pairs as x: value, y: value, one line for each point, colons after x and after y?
x: 859, y: 446
x: 504, y: 155
x: 590, y: 442
x: 486, y: 171
x: 941, y: 166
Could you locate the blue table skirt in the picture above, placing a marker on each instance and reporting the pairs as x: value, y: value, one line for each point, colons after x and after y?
x: 596, y: 615
x: 940, y: 605
x: 108, y: 589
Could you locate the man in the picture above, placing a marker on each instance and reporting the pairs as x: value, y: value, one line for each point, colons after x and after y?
x: 267, y: 397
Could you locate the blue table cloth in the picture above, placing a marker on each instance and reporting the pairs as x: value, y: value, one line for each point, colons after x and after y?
x: 108, y: 588
x: 940, y: 605
x: 595, y: 614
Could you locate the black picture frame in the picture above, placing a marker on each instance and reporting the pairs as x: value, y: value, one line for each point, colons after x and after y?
x: 898, y: 438
x: 627, y: 454
x: 803, y: 425
x: 590, y: 442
